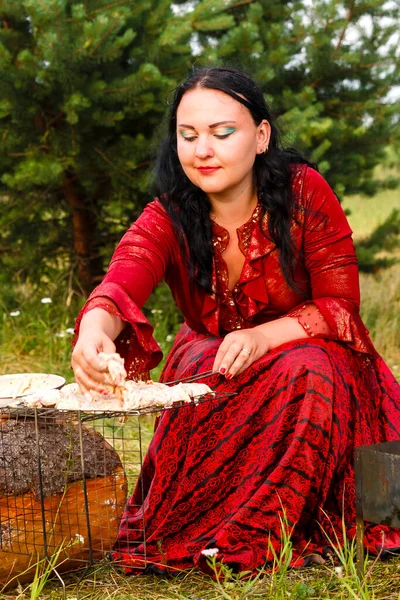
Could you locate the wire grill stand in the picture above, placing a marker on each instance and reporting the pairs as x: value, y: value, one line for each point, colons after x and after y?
x: 64, y: 479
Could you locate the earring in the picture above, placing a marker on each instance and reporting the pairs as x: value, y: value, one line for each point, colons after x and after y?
x: 265, y: 149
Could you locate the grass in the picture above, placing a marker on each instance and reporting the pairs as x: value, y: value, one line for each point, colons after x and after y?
x: 39, y: 339
x: 333, y: 580
x: 380, y: 293
x: 367, y: 212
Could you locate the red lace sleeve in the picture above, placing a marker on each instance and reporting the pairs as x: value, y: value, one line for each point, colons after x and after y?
x: 136, y: 267
x: 331, y: 262
x: 313, y: 322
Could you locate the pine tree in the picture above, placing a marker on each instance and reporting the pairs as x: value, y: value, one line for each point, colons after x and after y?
x: 83, y: 88
x: 82, y: 91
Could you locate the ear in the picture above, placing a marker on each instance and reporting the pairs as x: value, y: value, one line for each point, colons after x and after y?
x: 263, y: 136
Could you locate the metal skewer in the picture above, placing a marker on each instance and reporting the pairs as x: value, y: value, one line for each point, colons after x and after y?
x: 191, y: 378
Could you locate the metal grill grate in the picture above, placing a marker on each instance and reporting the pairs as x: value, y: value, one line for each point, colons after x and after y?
x: 65, y: 477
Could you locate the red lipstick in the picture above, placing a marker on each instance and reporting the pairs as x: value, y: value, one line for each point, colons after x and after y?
x: 207, y: 170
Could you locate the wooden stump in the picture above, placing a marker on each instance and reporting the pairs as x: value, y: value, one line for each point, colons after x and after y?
x: 71, y: 501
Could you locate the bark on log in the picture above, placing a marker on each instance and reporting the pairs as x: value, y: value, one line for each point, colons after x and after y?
x: 82, y: 517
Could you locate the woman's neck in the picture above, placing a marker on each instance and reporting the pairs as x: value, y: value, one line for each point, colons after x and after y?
x: 233, y: 213
x: 228, y: 212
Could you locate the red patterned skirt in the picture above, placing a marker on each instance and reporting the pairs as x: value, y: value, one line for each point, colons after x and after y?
x: 229, y: 473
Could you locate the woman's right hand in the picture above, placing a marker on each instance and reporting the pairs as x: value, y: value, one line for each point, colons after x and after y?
x: 88, y: 374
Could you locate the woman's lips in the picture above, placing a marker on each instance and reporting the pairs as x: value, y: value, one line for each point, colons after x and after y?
x: 207, y: 170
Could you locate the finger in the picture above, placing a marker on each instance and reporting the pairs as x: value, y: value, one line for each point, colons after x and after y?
x: 108, y: 346
x: 240, y: 363
x: 230, y: 356
x: 92, y: 372
x: 87, y: 383
x: 87, y: 357
x: 219, y: 356
x: 87, y: 363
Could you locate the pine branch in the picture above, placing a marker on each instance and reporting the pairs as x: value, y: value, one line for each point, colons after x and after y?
x: 121, y: 89
x: 109, y: 53
x: 56, y: 118
x: 105, y: 36
x: 242, y: 3
x: 109, y: 162
x: 118, y: 3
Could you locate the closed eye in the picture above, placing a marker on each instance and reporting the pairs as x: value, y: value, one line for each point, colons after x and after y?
x: 222, y: 136
x: 223, y: 132
x: 188, y: 138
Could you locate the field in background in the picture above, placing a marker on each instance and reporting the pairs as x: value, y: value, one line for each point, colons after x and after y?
x: 380, y: 293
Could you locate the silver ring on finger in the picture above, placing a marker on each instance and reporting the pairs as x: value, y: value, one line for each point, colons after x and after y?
x: 245, y: 350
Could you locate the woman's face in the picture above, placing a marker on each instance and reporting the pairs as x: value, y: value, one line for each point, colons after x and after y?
x: 218, y: 142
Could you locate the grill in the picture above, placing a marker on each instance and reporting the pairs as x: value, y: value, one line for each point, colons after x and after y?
x: 65, y: 477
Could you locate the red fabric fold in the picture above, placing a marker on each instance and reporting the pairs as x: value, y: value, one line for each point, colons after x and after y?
x: 135, y: 343
x: 343, y: 321
x: 231, y: 471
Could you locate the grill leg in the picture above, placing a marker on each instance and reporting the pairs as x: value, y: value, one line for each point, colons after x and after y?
x: 359, y: 517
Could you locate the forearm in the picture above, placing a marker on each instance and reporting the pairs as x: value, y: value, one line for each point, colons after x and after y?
x: 99, y: 319
x: 280, y: 331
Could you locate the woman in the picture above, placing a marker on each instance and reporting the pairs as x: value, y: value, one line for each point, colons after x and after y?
x: 258, y: 254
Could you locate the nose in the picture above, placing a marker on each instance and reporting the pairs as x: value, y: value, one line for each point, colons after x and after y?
x: 204, y: 147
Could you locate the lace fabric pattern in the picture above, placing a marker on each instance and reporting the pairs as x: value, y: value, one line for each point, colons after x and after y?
x: 230, y: 317
x: 312, y: 321
x: 308, y: 315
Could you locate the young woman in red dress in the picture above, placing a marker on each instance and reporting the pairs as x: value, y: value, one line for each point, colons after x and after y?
x: 258, y: 254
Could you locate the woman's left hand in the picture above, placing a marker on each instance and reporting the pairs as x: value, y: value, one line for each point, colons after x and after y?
x: 239, y: 350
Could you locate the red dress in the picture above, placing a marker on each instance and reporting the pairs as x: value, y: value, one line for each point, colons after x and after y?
x: 223, y: 473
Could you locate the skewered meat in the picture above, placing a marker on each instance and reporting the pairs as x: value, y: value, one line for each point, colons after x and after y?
x: 134, y: 396
x: 113, y: 364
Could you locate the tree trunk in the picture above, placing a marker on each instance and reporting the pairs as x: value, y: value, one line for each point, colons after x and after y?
x: 88, y: 263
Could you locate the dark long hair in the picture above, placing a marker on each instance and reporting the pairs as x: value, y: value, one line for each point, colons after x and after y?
x: 189, y: 207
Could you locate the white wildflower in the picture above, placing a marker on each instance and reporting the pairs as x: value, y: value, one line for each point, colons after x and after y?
x: 395, y: 367
x: 210, y: 551
x: 80, y: 538
x: 156, y: 311
x: 46, y: 301
x: 169, y: 338
x: 339, y: 572
x: 70, y: 330
x: 60, y: 335
x: 15, y: 313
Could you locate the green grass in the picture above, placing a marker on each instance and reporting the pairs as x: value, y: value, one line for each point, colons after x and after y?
x: 333, y: 580
x: 366, y: 212
x: 37, y: 340
x: 380, y: 293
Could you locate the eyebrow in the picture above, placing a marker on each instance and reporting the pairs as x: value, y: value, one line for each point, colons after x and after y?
x: 210, y: 126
